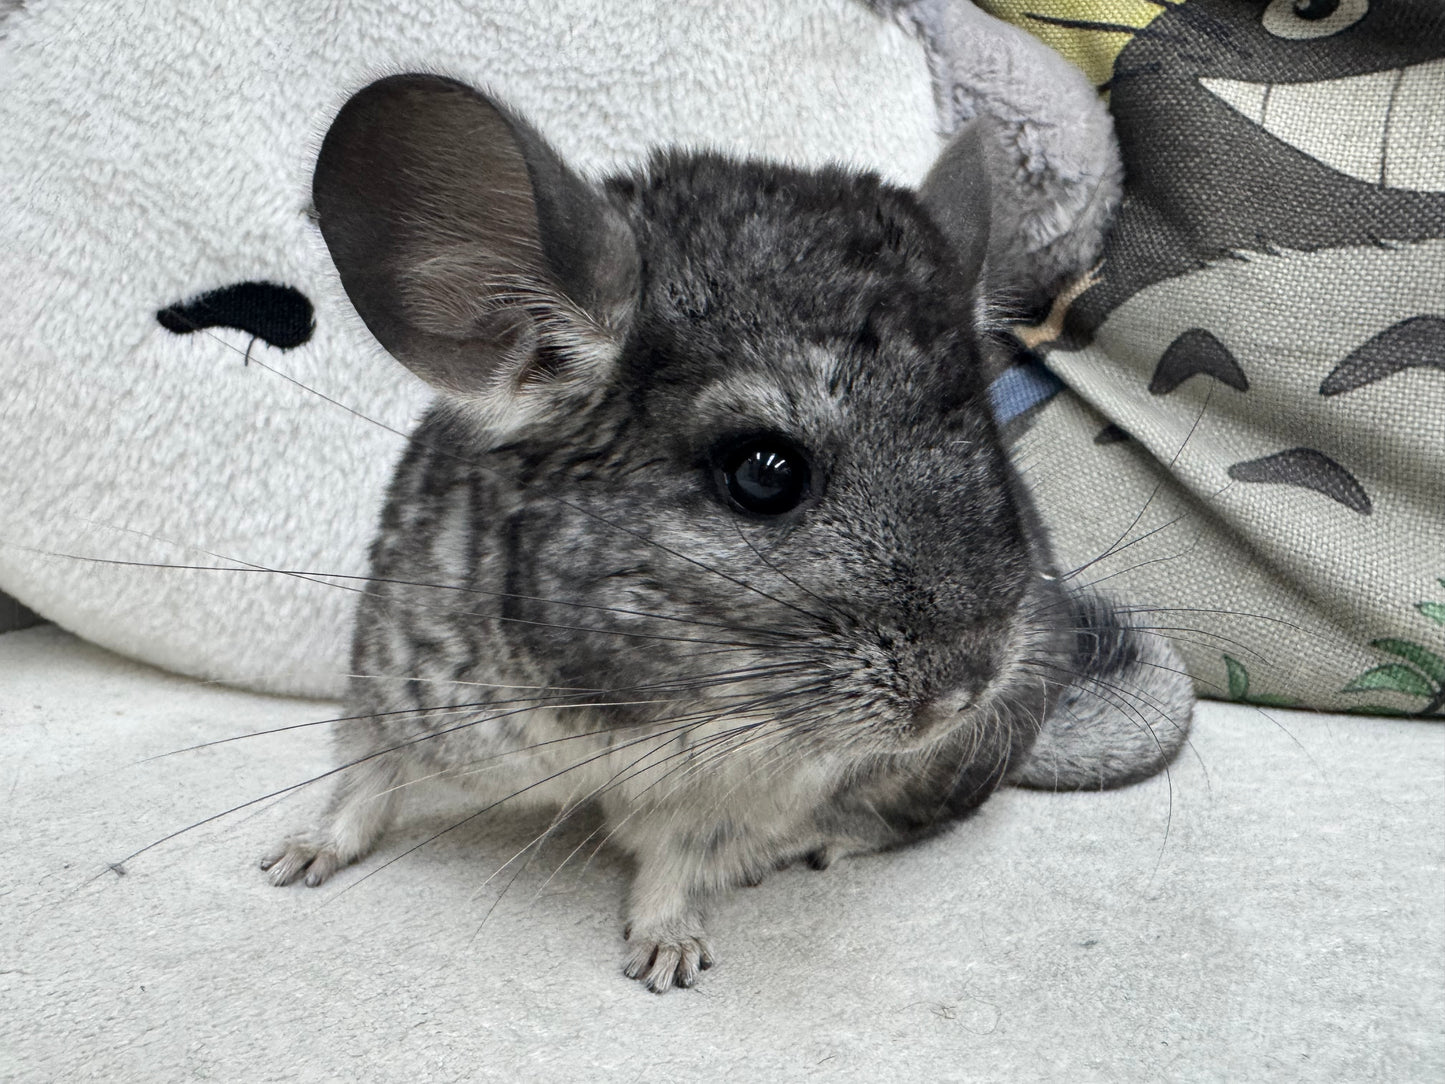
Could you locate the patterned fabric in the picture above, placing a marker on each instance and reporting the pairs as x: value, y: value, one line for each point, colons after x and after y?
x: 1254, y: 432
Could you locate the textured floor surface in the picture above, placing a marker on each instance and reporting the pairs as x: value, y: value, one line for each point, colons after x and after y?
x: 1270, y: 911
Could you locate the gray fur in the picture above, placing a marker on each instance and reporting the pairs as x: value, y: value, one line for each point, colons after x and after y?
x: 565, y: 607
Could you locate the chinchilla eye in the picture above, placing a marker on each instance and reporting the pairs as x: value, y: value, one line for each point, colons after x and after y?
x: 766, y: 476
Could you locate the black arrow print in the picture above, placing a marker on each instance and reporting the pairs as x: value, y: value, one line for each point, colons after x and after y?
x: 1307, y: 469
x: 1196, y: 351
x: 1418, y: 342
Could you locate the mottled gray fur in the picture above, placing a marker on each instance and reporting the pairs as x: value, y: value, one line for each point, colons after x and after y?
x: 566, y: 603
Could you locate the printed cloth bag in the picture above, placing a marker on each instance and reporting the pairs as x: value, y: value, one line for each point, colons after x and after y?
x: 1251, y: 443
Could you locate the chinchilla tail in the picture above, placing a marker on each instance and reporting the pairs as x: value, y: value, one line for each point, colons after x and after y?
x: 1124, y: 716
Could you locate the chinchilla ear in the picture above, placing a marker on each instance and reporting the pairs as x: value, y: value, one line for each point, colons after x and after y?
x: 474, y: 255
x: 957, y: 194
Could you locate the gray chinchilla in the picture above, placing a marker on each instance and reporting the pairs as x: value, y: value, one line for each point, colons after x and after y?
x: 711, y: 526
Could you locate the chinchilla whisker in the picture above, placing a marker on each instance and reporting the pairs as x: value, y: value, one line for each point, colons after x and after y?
x: 987, y: 727
x: 663, y: 739
x: 549, y: 699
x: 564, y: 813
x: 1125, y: 700
x: 572, y: 807
x: 1119, y: 545
x: 691, y: 759
x: 704, y: 754
x: 1295, y: 627
x: 716, y: 708
x: 838, y: 610
x: 550, y: 694
x: 687, y: 769
x: 328, y: 579
x: 292, y: 788
x: 443, y: 709
x: 535, y: 847
x: 984, y: 730
x: 680, y: 776
x: 1203, y: 409
x: 1213, y: 639
x: 324, y: 579
x: 1221, y: 691
x: 773, y: 759
x: 677, y: 724
x: 586, y: 839
x: 696, y: 761
x: 629, y: 771
x: 715, y: 677
x: 1149, y: 663
x: 465, y: 821
x: 1116, y: 546
x: 1078, y: 678
x: 1165, y: 559
x: 522, y: 484
x: 1130, y: 701
x: 1176, y: 632
x: 419, y: 679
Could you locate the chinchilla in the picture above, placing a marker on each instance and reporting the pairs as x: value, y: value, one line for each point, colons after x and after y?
x: 710, y: 526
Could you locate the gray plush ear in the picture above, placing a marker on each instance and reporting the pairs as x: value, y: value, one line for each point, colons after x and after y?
x: 473, y: 254
x: 957, y: 195
x: 1053, y: 160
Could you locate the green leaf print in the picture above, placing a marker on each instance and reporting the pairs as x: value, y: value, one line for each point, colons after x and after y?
x: 1396, y: 677
x: 1238, y: 678
x: 1239, y: 688
x: 1427, y: 662
x: 1421, y: 675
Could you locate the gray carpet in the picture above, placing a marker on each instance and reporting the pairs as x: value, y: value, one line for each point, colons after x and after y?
x: 1270, y: 911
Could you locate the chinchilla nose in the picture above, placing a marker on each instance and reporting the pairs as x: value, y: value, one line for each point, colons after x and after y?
x: 940, y: 714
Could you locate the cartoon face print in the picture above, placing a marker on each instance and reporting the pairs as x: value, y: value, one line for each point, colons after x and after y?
x: 1269, y: 130
x: 1291, y: 124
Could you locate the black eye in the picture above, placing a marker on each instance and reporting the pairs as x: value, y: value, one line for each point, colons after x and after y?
x: 1315, y: 9
x: 765, y: 475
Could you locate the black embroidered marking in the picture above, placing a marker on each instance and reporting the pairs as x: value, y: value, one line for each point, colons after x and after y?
x: 1110, y: 434
x: 280, y: 315
x: 1308, y: 469
x: 1411, y: 344
x: 1196, y: 351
